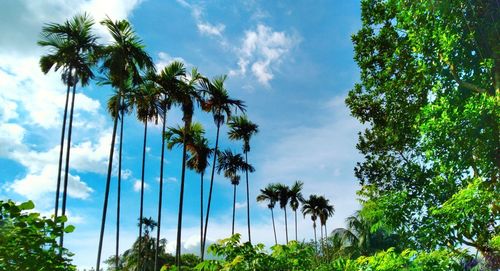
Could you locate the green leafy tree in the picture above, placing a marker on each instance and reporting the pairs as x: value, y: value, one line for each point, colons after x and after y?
x: 241, y: 128
x: 232, y: 164
x: 123, y: 61
x: 270, y: 195
x: 29, y: 241
x: 72, y: 48
x: 428, y: 96
x: 221, y: 105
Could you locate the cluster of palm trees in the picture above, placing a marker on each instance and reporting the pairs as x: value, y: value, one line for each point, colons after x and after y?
x: 315, y: 206
x: 138, y: 87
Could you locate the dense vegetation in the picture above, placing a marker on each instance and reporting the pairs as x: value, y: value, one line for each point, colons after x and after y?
x: 428, y: 96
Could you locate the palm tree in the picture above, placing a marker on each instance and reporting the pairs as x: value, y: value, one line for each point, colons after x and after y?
x: 168, y: 80
x: 122, y: 62
x: 199, y: 162
x: 147, y: 106
x: 326, y: 210
x: 221, y: 105
x: 186, y: 95
x: 284, y: 196
x: 241, y: 128
x: 311, y: 207
x: 232, y: 164
x: 72, y: 47
x: 270, y: 194
x: 296, y: 197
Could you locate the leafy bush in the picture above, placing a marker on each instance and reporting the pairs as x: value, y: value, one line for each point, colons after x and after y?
x: 29, y: 242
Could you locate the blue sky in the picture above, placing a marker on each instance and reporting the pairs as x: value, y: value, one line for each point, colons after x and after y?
x: 291, y: 62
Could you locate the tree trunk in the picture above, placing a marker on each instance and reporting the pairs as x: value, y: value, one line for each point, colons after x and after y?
x: 117, y: 248
x: 296, y: 239
x: 181, y: 201
x: 321, y: 239
x: 286, y: 226
x: 160, y: 196
x: 210, y: 192
x: 58, y: 188
x: 106, y: 193
x: 142, y: 192
x: 201, y: 212
x: 248, y: 200
x: 274, y: 227
x: 315, y: 239
x: 66, y: 169
x: 234, y: 207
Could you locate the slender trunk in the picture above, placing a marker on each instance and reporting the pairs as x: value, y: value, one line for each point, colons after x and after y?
x: 321, y: 239
x: 286, y: 226
x: 181, y: 201
x: 274, y: 227
x: 315, y: 239
x: 201, y: 212
x: 248, y: 200
x: 117, y: 248
x: 234, y: 207
x: 295, y: 225
x: 160, y: 195
x: 58, y: 188
x: 66, y: 169
x: 106, y: 193
x: 210, y: 193
x: 142, y: 194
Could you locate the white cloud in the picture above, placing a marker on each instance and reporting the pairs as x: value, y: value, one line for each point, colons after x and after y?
x: 203, y: 26
x: 263, y: 49
x: 240, y: 205
x: 211, y: 30
x: 164, y: 59
x: 137, y: 185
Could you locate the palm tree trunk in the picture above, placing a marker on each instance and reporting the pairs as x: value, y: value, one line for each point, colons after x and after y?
x: 201, y: 212
x: 106, y: 193
x: 274, y: 227
x: 142, y: 192
x: 234, y: 207
x: 210, y: 192
x: 58, y: 188
x: 160, y: 196
x: 248, y: 200
x: 315, y: 239
x: 286, y: 226
x: 66, y: 169
x: 181, y: 201
x: 296, y: 225
x: 321, y: 239
x: 117, y: 248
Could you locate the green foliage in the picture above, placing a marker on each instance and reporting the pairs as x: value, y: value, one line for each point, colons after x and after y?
x: 29, y: 241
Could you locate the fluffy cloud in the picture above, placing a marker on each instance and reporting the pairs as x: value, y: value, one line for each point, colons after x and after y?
x: 137, y: 185
x: 203, y: 26
x: 263, y: 50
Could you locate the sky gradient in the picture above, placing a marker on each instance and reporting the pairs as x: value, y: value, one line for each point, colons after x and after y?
x: 291, y: 62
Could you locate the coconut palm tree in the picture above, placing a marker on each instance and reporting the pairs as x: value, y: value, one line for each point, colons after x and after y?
x: 232, y: 164
x: 146, y: 101
x: 123, y: 61
x: 241, y: 128
x: 271, y: 195
x: 186, y: 96
x: 326, y: 211
x: 165, y: 83
x: 296, y: 198
x: 284, y: 196
x: 199, y: 162
x: 310, y: 207
x: 218, y: 102
x: 72, y: 46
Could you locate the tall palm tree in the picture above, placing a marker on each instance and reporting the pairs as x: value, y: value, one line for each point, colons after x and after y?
x: 72, y: 47
x: 326, y: 210
x: 284, y: 196
x: 296, y: 198
x: 147, y: 105
x: 271, y: 195
x: 168, y: 79
x: 186, y: 96
x: 117, y: 107
x: 122, y: 62
x: 232, y: 164
x: 218, y: 102
x: 310, y: 207
x: 199, y: 162
x: 241, y: 128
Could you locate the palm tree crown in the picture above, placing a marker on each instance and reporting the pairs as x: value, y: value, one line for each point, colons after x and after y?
x: 218, y: 101
x: 231, y: 164
x: 241, y: 128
